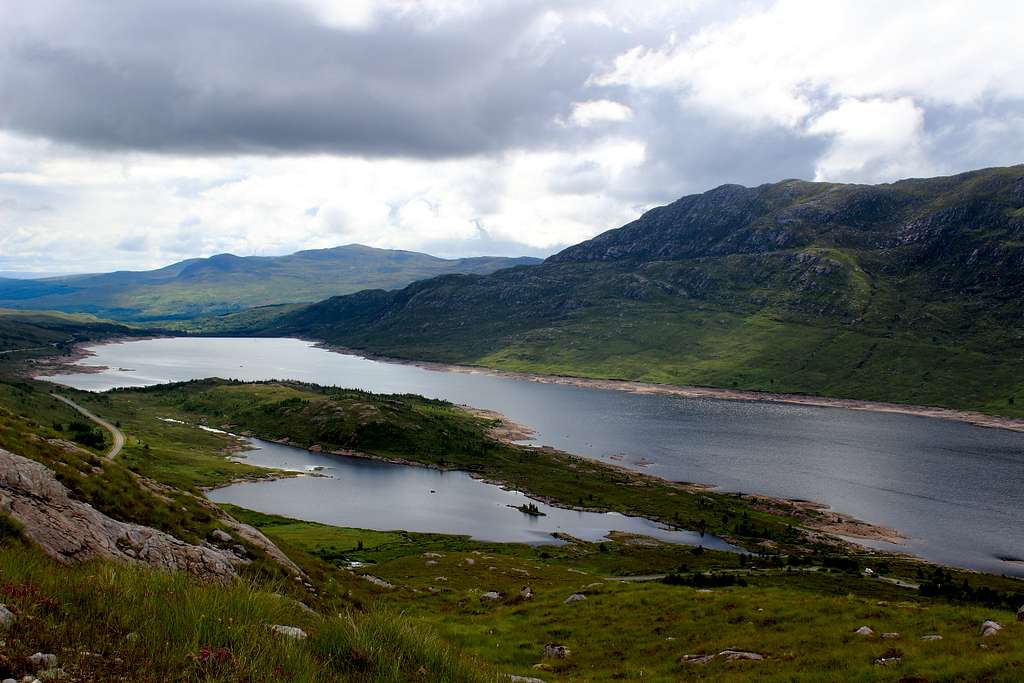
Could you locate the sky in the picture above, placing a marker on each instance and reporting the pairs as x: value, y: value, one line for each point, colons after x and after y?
x: 136, y: 133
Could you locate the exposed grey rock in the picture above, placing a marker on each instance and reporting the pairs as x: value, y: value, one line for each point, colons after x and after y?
x: 735, y: 655
x: 887, y: 661
x: 526, y: 593
x: 431, y: 563
x: 289, y: 631
x: 697, y: 659
x: 490, y: 596
x: 931, y: 637
x: 575, y: 597
x: 43, y: 662
x: 377, y: 581
x: 71, y: 531
x: 890, y: 636
x: 469, y: 561
x: 553, y: 651
x: 432, y: 556
x: 220, y: 536
x: 864, y: 631
x: 9, y: 680
x: 1020, y: 614
x: 7, y: 618
x: 990, y: 628
x: 524, y: 679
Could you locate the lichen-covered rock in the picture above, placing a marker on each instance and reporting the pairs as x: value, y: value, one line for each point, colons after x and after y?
x: 553, y: 651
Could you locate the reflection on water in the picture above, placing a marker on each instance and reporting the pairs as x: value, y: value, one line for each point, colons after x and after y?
x: 367, y: 494
x: 955, y: 489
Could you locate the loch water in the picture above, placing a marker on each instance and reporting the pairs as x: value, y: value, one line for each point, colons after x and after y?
x: 954, y: 489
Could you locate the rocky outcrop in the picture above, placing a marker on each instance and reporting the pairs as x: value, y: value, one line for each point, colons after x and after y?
x: 71, y: 531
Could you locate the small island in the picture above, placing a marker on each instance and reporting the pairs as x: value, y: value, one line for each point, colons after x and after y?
x: 530, y: 509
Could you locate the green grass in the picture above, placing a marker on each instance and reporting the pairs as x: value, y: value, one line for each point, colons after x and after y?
x: 802, y: 618
x: 185, y: 631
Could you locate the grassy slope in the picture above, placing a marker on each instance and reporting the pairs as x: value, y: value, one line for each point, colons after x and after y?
x: 907, y: 292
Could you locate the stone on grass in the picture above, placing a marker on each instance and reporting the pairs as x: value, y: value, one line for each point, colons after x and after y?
x: 887, y: 661
x: 289, y: 631
x: 490, y: 596
x: 1020, y: 614
x: 9, y: 680
x: 931, y: 637
x: 736, y: 655
x: 575, y: 597
x: 864, y: 631
x: 526, y: 593
x: 552, y: 651
x: 431, y: 563
x: 524, y: 679
x: 469, y: 561
x: 990, y: 628
x: 43, y: 662
x: 890, y: 636
x: 432, y: 556
x: 7, y: 618
x: 381, y: 583
x: 697, y: 659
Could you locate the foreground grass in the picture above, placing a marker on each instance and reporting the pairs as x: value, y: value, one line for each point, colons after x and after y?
x: 109, y: 622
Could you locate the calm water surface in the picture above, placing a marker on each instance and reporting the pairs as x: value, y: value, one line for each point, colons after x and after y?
x: 376, y: 495
x: 955, y: 489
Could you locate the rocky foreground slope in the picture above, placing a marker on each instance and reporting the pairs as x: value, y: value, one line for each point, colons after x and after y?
x: 72, y: 531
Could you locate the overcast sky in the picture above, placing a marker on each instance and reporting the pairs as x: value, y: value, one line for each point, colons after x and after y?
x: 134, y: 133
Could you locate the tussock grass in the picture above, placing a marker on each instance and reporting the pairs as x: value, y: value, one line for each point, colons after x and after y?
x: 109, y: 621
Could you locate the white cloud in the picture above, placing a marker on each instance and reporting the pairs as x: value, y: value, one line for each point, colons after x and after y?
x: 872, y: 140
x: 588, y: 113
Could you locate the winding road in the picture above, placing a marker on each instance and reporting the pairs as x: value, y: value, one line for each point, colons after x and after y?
x: 114, y: 431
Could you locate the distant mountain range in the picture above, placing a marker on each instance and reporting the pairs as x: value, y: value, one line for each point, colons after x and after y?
x: 225, y: 283
x: 911, y: 291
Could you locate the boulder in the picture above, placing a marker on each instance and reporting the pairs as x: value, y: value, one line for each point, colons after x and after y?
x: 432, y: 556
x: 931, y: 637
x: 891, y: 636
x: 990, y: 628
x: 697, y: 659
x: 220, y: 536
x: 469, y: 561
x: 1020, y: 614
x: 431, y: 563
x: 864, y: 631
x: 552, y: 651
x: 490, y: 596
x: 43, y: 662
x: 524, y: 679
x: 293, y: 632
x: 575, y: 597
x: 7, y: 618
x: 526, y: 593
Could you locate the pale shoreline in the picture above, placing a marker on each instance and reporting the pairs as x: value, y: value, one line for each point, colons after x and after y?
x: 714, y: 393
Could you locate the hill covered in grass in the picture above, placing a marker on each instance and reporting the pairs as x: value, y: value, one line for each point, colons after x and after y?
x: 226, y: 282
x: 33, y: 332
x: 908, y: 292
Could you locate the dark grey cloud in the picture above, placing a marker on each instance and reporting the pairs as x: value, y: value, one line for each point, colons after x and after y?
x: 204, y: 77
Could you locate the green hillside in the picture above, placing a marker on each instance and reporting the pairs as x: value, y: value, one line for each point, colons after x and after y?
x: 909, y: 292
x: 228, y: 283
